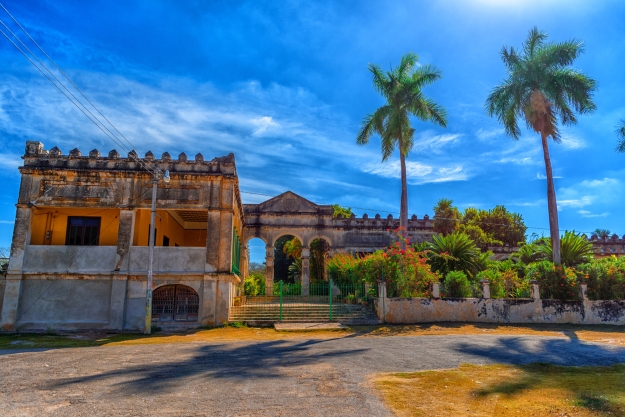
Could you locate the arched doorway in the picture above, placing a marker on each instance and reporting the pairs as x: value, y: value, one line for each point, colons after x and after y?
x: 175, y: 303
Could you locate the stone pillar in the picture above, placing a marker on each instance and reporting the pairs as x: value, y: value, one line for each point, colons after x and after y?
x: 436, y: 290
x: 219, y: 232
x: 244, y: 262
x: 269, y: 252
x: 382, y: 289
x: 583, y: 291
x: 125, y: 234
x: 534, y: 290
x: 485, y: 288
x: 305, y: 271
x: 13, y: 287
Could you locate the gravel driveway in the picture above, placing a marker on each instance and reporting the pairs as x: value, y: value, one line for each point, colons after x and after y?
x: 302, y: 377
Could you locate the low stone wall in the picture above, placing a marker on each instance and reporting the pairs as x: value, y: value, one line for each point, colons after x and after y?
x: 487, y: 310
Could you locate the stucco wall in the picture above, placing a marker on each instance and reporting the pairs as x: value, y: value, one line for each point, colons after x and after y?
x: 75, y: 259
x: 168, y: 259
x: 425, y: 310
x: 65, y: 303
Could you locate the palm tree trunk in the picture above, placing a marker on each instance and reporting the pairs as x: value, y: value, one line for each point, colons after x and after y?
x: 552, y: 205
x: 403, y: 211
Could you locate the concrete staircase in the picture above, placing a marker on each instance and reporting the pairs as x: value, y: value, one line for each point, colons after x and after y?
x: 304, y: 313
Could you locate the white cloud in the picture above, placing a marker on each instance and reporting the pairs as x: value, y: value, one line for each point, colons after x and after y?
x: 430, y: 141
x: 540, y: 176
x: 487, y: 135
x: 418, y: 173
x: 263, y: 124
x: 578, y: 202
x: 571, y: 142
x: 587, y: 214
x: 7, y: 221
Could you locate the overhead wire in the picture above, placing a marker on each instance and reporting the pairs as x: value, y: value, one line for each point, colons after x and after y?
x: 148, y: 166
x: 441, y: 218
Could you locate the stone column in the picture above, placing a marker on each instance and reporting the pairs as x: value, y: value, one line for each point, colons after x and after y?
x: 269, y: 252
x: 583, y: 291
x: 436, y: 290
x: 485, y: 288
x: 305, y: 271
x: 244, y: 263
x: 119, y: 284
x: 13, y: 287
x: 534, y: 291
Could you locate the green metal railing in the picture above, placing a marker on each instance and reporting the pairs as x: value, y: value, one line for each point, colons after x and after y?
x: 236, y: 252
x: 322, y: 300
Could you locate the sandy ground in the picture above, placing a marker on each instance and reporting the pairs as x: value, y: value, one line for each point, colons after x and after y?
x: 288, y: 375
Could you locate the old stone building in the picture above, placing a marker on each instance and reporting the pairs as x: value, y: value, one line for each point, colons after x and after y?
x: 79, y: 254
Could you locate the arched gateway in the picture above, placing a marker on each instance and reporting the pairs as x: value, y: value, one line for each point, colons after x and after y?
x: 291, y: 214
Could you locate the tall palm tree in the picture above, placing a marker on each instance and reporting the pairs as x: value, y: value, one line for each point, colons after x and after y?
x: 620, y: 132
x: 541, y: 87
x: 401, y: 88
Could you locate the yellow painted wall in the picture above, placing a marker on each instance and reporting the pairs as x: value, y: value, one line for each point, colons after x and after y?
x: 55, y: 220
x: 166, y: 225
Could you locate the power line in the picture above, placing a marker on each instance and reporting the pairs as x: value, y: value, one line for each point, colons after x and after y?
x: 441, y: 218
x: 62, y: 72
x: 94, y: 119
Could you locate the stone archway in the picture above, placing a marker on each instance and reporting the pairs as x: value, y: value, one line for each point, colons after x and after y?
x: 175, y: 303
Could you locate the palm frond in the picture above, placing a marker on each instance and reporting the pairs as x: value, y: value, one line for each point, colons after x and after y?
x: 408, y: 62
x: 534, y: 40
x: 620, y: 133
x: 381, y: 81
x: 425, y: 75
x: 560, y: 54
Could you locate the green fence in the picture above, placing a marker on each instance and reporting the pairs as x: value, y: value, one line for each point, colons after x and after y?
x: 323, y: 300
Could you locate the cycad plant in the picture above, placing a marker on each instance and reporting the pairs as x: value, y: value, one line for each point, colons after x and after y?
x: 401, y: 88
x: 454, y: 252
x: 574, y: 247
x: 541, y: 88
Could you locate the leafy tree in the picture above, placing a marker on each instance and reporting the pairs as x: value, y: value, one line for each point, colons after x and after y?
x: 256, y: 267
x: 281, y: 261
x: 446, y: 217
x: 401, y: 88
x: 319, y: 250
x: 345, y: 212
x: 602, y: 233
x: 540, y: 88
x: 620, y: 133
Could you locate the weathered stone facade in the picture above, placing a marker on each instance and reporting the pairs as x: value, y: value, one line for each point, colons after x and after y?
x: 290, y: 214
x: 51, y: 283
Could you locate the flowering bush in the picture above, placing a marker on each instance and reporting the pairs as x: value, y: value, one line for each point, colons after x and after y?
x: 254, y: 284
x: 605, y: 278
x: 405, y: 271
x: 555, y: 281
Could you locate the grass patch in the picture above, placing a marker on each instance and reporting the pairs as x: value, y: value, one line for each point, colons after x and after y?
x: 498, y: 390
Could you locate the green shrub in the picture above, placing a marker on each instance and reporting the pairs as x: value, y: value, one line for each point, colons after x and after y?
x: 555, y: 282
x: 254, y: 284
x: 457, y: 285
x: 574, y: 249
x: 505, y: 282
x: 605, y: 278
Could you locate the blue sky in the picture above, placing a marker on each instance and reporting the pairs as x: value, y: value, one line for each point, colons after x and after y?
x: 284, y: 85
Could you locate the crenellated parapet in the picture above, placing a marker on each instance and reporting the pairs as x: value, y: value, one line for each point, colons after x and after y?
x: 36, y: 157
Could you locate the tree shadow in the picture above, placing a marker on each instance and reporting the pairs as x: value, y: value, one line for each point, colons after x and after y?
x: 578, y: 367
x: 590, y: 387
x: 524, y: 350
x: 265, y: 360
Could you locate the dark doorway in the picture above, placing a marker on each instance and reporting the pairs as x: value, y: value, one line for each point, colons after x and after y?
x: 175, y: 303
